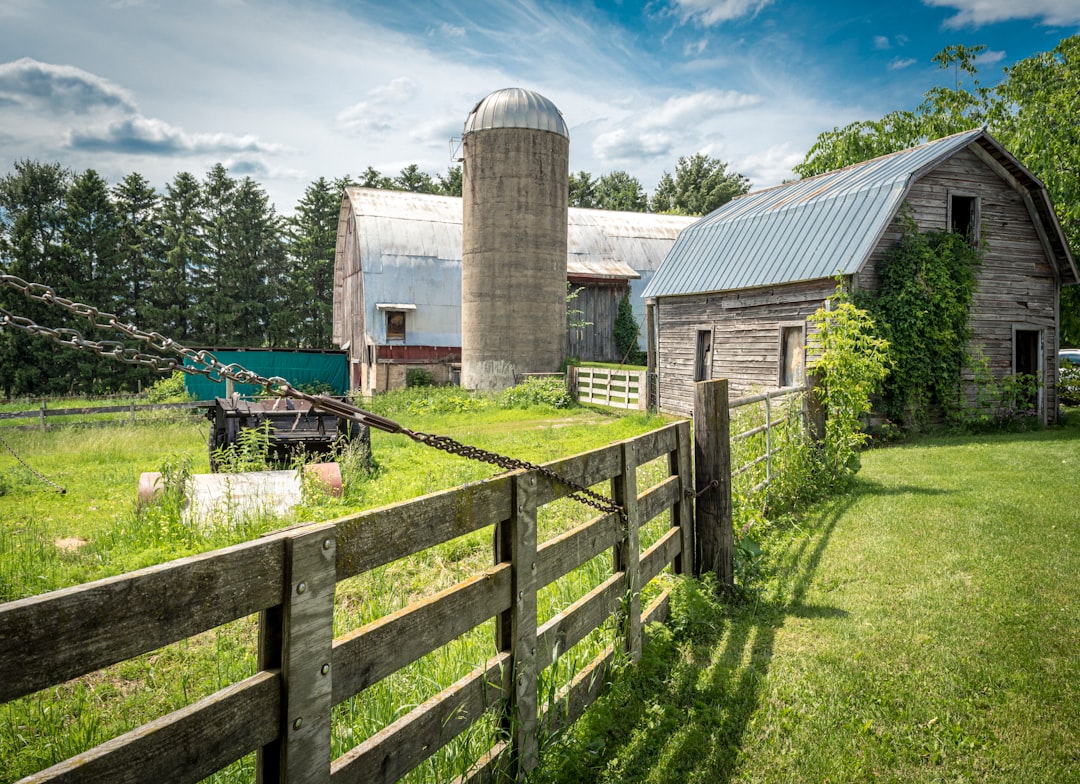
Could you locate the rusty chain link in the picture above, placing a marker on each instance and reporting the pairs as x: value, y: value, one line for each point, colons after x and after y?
x: 30, y: 468
x: 206, y: 364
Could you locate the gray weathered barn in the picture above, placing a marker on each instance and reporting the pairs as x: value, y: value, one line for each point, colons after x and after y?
x: 397, y: 280
x: 733, y: 295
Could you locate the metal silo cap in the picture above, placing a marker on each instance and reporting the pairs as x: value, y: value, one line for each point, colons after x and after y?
x: 515, y: 107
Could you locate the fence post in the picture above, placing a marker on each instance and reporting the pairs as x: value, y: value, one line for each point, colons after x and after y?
x: 131, y: 406
x: 515, y: 629
x: 624, y: 493
x: 41, y: 416
x: 297, y: 638
x: 712, y: 463
x: 768, y: 439
x: 650, y: 391
x: 682, y: 513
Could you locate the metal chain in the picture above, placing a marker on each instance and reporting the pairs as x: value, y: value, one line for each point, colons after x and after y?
x: 206, y: 364
x: 27, y: 466
x: 581, y: 494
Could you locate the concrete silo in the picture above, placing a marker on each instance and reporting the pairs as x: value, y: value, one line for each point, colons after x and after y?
x: 515, y: 169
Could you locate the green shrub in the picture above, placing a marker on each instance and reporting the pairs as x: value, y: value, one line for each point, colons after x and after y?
x: 1069, y: 386
x: 851, y: 361
x: 626, y: 331
x: 317, y: 387
x: 923, y: 310
x: 169, y: 389
x: 419, y: 377
x: 418, y: 401
x: 535, y: 391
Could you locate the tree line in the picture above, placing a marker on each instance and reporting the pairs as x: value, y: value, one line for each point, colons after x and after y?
x: 210, y: 262
x: 206, y: 263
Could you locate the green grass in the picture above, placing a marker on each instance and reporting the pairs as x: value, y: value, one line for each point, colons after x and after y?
x: 50, y: 541
x: 612, y: 366
x: 924, y: 627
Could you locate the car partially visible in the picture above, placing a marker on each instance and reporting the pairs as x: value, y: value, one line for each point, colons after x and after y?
x: 1069, y: 376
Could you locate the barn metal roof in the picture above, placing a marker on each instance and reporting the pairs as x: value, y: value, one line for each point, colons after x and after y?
x: 515, y: 107
x: 817, y: 227
x: 398, y: 225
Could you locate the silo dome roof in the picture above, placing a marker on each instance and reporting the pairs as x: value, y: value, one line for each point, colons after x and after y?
x: 514, y: 107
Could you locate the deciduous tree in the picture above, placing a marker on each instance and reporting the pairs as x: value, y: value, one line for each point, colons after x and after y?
x: 700, y: 185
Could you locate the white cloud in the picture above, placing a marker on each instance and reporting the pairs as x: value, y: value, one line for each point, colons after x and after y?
x: 991, y: 56
x: 714, y: 12
x: 143, y: 135
x: 974, y: 13
x: 625, y: 145
x: 771, y: 165
x: 695, y: 48
x: 59, y: 88
x: 382, y: 111
x: 682, y: 110
x: 900, y: 63
x: 446, y: 30
x: 881, y: 42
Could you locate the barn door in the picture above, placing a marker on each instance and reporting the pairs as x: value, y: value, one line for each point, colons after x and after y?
x: 703, y: 355
x: 1028, y: 360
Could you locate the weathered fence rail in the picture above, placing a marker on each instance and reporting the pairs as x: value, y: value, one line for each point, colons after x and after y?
x: 283, y: 711
x: 770, y: 400
x: 43, y: 412
x: 609, y: 387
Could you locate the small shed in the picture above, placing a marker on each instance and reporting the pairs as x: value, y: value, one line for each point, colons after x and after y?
x: 733, y: 295
x: 397, y: 281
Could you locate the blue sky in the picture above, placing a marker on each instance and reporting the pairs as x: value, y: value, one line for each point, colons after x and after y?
x: 289, y: 90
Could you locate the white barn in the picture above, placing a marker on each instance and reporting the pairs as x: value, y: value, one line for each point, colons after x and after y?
x: 397, y: 281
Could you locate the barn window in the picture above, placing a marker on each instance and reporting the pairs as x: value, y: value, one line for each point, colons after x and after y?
x: 964, y: 216
x: 703, y: 355
x: 792, y: 355
x: 395, y: 318
x: 395, y: 325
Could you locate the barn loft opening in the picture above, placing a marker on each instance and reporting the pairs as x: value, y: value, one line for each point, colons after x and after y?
x: 963, y: 216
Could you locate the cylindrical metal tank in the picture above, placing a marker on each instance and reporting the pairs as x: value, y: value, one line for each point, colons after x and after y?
x: 515, y: 169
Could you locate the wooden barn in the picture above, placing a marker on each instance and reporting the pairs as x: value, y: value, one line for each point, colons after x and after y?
x: 732, y: 298
x: 397, y: 281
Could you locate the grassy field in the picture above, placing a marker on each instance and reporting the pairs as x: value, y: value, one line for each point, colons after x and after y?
x: 925, y: 627
x: 50, y: 541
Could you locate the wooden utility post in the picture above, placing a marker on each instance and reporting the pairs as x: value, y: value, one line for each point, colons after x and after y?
x: 712, y: 482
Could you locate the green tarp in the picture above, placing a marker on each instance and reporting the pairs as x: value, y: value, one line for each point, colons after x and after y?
x: 299, y: 368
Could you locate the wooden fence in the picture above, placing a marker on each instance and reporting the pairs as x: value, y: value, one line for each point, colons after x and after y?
x: 773, y: 402
x: 607, y: 387
x: 283, y: 711
x: 713, y: 473
x: 43, y: 413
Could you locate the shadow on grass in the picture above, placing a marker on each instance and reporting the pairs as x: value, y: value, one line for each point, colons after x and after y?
x: 681, y: 713
x: 868, y: 487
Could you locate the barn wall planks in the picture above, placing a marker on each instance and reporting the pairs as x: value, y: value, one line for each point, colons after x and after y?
x: 745, y: 337
x: 1016, y: 283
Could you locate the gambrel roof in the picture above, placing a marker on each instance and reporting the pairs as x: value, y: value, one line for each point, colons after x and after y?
x: 829, y: 224
x: 407, y: 249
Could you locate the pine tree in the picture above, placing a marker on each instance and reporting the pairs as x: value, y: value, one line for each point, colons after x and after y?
x: 90, y: 241
x: 171, y: 306
x: 312, y: 233
x: 31, y: 220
